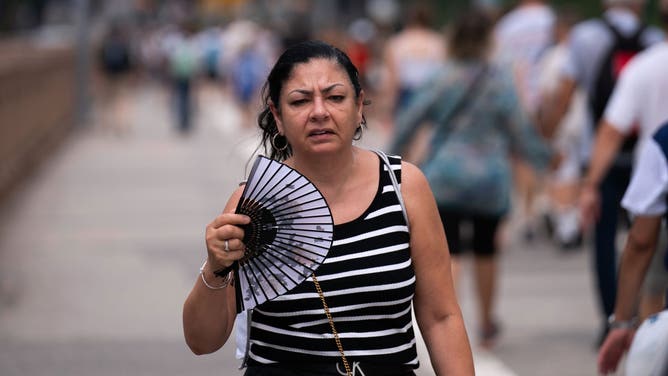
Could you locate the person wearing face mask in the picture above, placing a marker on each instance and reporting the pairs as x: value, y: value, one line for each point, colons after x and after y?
x: 389, y: 254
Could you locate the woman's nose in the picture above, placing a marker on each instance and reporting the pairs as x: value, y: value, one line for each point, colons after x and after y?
x: 319, y: 110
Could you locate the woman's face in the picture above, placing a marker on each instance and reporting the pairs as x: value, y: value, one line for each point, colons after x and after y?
x: 318, y: 111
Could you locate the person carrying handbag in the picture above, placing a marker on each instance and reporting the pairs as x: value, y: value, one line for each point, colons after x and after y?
x: 478, y: 125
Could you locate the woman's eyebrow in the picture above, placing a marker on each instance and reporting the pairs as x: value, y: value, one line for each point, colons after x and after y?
x: 308, y: 92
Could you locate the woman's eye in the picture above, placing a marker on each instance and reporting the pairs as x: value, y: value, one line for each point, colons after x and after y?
x: 298, y: 102
x: 337, y: 98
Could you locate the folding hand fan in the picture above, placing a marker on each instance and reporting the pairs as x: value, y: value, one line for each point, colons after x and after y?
x: 289, y: 235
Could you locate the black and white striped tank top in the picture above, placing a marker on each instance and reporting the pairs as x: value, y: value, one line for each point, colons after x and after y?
x: 368, y: 283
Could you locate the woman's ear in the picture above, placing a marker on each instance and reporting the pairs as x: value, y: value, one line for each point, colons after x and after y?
x: 277, y: 117
x: 360, y: 107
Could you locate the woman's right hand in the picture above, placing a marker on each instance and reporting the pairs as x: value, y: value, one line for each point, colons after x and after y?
x: 209, y: 312
x: 616, y: 344
x: 224, y: 240
x: 590, y: 205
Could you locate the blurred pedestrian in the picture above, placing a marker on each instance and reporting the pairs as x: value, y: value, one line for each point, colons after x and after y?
x: 478, y: 122
x: 591, y: 45
x: 250, y: 49
x: 152, y: 54
x: 184, y: 59
x: 116, y: 63
x: 646, y: 199
x: 521, y: 38
x: 563, y: 184
x: 213, y: 52
x: 411, y: 57
x: 637, y: 107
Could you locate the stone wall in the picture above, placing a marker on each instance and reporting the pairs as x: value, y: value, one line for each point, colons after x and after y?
x: 37, y: 107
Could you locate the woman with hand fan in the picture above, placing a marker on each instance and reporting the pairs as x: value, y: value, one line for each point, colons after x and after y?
x: 317, y: 244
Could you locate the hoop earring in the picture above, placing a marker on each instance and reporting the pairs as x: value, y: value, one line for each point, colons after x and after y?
x: 359, y: 132
x: 273, y: 142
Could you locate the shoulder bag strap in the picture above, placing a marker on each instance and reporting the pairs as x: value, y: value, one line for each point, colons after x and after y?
x: 395, y: 184
x: 468, y: 94
x: 463, y: 100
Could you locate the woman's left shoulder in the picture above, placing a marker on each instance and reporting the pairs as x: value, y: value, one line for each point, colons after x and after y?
x: 413, y: 179
x: 410, y: 174
x: 409, y: 169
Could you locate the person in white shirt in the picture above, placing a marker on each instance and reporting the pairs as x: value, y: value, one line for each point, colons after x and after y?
x: 589, y: 44
x: 645, y: 198
x: 638, y: 104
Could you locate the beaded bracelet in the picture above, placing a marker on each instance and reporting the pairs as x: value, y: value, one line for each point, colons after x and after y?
x: 226, y: 281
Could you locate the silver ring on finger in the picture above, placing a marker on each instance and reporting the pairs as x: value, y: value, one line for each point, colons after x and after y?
x: 227, y: 246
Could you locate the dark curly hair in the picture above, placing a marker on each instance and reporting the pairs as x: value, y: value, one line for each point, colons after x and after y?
x: 297, y: 54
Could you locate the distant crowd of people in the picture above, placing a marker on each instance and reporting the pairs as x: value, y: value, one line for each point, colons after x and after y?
x: 556, y: 112
x: 237, y: 56
x: 553, y: 111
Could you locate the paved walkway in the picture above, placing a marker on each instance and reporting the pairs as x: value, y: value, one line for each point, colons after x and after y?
x: 100, y: 248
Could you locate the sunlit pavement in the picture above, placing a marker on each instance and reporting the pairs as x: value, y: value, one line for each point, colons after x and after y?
x: 100, y: 248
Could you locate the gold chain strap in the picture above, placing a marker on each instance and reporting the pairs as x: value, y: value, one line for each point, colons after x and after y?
x: 331, y: 324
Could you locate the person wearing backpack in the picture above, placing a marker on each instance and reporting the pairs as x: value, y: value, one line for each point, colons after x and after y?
x: 637, y: 107
x: 595, y: 45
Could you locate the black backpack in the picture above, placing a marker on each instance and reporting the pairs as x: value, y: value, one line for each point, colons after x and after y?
x: 621, y: 52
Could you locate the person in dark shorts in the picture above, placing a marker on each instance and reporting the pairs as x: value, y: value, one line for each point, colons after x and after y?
x: 478, y: 127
